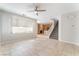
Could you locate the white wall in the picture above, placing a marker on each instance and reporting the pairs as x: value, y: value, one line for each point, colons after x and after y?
x: 0, y: 27
x: 69, y: 27
x: 6, y: 28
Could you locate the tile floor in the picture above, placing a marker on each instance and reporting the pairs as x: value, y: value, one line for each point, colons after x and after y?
x: 40, y: 47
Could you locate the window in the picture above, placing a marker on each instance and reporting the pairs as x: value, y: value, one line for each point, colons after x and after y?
x: 22, y: 26
x: 22, y: 29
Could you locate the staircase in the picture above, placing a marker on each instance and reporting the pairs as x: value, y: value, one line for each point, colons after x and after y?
x: 47, y: 33
x: 54, y: 33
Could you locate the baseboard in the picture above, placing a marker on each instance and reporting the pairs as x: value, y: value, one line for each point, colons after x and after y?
x: 70, y: 42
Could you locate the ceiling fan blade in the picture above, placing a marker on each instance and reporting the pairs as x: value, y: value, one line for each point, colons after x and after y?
x: 31, y: 11
x: 41, y: 10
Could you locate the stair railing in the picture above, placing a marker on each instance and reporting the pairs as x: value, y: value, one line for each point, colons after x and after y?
x: 53, y: 24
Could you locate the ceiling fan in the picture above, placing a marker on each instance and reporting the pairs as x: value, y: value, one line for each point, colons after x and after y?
x: 37, y: 10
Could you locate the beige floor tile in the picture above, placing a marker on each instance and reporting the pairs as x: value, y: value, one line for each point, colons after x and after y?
x: 40, y: 47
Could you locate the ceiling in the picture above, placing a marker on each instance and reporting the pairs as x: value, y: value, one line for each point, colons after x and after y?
x: 53, y: 10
